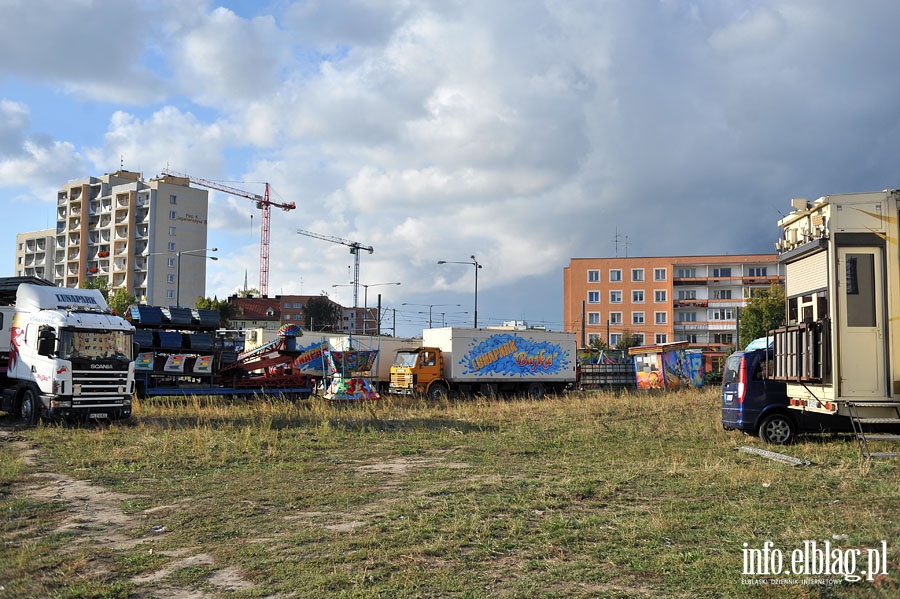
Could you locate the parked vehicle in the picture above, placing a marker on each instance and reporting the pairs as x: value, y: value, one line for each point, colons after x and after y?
x: 838, y: 352
x: 757, y: 404
x: 486, y: 361
x: 63, y: 354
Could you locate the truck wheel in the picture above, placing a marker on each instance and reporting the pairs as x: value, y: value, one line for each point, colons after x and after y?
x: 29, y: 407
x: 777, y: 429
x: 438, y: 392
x: 535, y: 391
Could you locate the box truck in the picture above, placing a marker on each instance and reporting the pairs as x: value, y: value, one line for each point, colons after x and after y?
x: 486, y: 361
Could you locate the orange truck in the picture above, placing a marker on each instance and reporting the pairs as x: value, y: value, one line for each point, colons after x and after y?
x: 487, y: 361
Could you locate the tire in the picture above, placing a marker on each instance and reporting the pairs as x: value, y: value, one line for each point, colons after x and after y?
x: 535, y: 391
x: 438, y: 392
x: 777, y: 429
x: 29, y: 408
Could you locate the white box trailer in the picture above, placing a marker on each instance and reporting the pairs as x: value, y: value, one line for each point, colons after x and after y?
x: 487, y: 361
x: 839, y: 351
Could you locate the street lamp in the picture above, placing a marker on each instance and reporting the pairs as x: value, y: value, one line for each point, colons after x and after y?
x: 429, y: 306
x: 474, y: 263
x: 178, y: 269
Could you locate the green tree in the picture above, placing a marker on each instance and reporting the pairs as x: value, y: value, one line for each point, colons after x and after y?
x: 764, y: 312
x: 101, y: 283
x: 627, y: 340
x: 227, y: 311
x: 322, y: 314
x: 120, y: 300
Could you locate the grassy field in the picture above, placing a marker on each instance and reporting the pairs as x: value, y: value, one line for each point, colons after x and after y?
x: 593, y: 495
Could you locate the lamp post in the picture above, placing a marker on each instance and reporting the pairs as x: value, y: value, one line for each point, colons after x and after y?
x: 429, y: 306
x: 474, y: 263
x: 178, y: 269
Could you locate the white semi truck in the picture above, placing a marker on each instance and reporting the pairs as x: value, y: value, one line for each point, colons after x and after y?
x: 839, y: 352
x: 63, y: 354
x: 486, y: 361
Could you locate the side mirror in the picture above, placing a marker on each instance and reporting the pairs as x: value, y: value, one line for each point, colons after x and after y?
x: 46, y: 345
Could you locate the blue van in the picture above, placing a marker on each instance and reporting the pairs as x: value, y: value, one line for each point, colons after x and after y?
x: 754, y: 403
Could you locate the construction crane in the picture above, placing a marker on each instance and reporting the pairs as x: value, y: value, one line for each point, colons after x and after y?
x: 354, y: 246
x: 263, y: 203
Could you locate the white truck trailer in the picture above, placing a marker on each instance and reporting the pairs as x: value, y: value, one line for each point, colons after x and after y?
x: 62, y: 354
x: 839, y: 351
x: 486, y: 361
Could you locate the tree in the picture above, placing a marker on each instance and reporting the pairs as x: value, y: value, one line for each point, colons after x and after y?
x: 322, y: 314
x: 764, y: 312
x: 227, y: 311
x: 120, y: 301
x: 627, y: 340
x: 101, y: 283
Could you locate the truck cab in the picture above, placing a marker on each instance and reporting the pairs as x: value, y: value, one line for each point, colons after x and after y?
x: 419, y: 370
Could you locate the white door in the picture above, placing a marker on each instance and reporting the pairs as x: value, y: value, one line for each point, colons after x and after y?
x: 860, y: 330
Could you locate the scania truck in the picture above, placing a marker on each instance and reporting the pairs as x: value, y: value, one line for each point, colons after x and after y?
x: 63, y: 354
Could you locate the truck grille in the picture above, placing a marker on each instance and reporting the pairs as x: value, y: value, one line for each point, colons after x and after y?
x: 99, y: 388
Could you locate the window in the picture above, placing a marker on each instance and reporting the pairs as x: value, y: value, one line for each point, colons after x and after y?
x: 659, y: 274
x: 661, y: 317
x: 171, y: 263
x: 724, y: 271
x: 594, y: 339
x: 722, y: 294
x: 615, y: 275
x: 287, y: 304
x: 638, y: 338
x: 593, y: 297
x: 173, y: 199
x: 637, y: 274
x: 726, y: 338
x: 170, y: 294
x: 722, y: 314
x: 659, y: 296
x: 170, y: 278
x: 689, y: 294
x: 171, y: 230
x: 686, y: 273
x: 593, y: 318
x: 614, y: 339
x: 171, y: 246
x: 637, y: 296
x: 686, y: 317
x: 172, y: 215
x: 593, y: 276
x: 757, y: 271
x: 298, y: 304
x: 615, y: 318
x: 661, y: 338
x: 615, y: 297
x: 637, y: 318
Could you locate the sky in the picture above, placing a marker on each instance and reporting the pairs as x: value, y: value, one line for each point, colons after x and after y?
x: 522, y: 132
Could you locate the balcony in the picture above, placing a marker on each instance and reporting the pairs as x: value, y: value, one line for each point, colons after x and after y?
x: 690, y: 303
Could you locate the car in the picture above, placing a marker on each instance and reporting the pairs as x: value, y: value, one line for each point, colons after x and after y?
x: 755, y: 403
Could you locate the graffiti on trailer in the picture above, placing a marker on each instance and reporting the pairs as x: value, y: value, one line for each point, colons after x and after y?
x: 511, y: 355
x: 17, y: 335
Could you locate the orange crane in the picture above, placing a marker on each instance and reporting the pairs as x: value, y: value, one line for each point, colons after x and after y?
x: 263, y: 203
x: 354, y: 246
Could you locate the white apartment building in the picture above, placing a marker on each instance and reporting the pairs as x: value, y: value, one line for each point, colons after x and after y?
x: 36, y: 254
x: 148, y: 237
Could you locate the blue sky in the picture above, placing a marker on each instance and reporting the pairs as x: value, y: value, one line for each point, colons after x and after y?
x: 525, y: 133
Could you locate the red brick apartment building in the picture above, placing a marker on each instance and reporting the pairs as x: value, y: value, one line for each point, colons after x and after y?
x: 664, y: 299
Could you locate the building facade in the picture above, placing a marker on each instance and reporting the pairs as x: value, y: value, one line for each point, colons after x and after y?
x: 148, y: 237
x: 663, y: 299
x: 36, y: 254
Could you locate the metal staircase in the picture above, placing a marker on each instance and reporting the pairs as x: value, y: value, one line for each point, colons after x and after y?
x: 863, y: 418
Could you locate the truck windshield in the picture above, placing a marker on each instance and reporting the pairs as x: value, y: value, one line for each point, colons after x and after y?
x: 406, y: 358
x: 97, y: 345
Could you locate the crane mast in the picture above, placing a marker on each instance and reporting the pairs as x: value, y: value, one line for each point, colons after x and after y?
x: 263, y: 203
x: 354, y: 246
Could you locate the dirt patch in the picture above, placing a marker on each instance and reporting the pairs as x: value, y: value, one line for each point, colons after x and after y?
x: 96, y: 518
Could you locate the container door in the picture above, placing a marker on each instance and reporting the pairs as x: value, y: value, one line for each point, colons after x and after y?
x: 860, y: 333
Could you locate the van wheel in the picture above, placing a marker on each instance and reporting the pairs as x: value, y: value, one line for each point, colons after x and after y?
x: 535, y: 391
x: 29, y: 408
x: 777, y: 429
x: 438, y: 392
